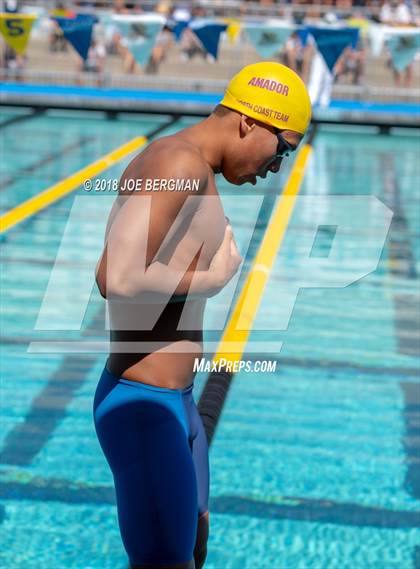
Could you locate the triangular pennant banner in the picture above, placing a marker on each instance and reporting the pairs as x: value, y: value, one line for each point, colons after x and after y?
x: 16, y: 30
x: 139, y: 32
x: 331, y: 42
x: 233, y: 29
x: 303, y: 34
x: 208, y: 33
x: 403, y: 48
x: 178, y: 28
x: 78, y: 32
x: 267, y: 37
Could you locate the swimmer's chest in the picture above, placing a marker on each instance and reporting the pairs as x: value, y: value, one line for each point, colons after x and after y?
x: 205, y: 228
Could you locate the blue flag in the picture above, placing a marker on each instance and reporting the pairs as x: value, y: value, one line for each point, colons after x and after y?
x: 331, y: 42
x: 178, y: 28
x: 209, y: 34
x: 403, y: 48
x: 303, y: 34
x: 78, y: 32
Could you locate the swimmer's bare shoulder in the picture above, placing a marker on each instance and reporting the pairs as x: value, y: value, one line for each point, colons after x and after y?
x: 167, y: 158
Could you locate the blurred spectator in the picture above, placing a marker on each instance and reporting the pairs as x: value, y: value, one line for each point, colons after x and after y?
x: 297, y: 56
x: 60, y: 11
x: 11, y: 6
x: 57, y: 41
x: 191, y: 45
x: 95, y: 61
x: 133, y: 6
x: 120, y: 7
x: 351, y: 62
x: 181, y: 14
x: 164, y: 7
x: 129, y: 63
x: 112, y: 36
x: 115, y: 44
x: 198, y: 12
x: 397, y: 13
x: 164, y: 42
x: 13, y: 62
x: 345, y: 7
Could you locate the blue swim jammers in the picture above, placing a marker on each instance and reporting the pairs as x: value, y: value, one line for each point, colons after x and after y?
x: 154, y: 441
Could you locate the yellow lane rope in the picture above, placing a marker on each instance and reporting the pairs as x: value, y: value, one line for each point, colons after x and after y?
x: 57, y: 191
x: 240, y: 322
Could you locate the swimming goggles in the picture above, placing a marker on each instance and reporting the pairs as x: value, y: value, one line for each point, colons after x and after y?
x: 284, y: 148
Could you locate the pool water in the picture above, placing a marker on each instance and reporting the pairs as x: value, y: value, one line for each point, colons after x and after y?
x: 315, y: 466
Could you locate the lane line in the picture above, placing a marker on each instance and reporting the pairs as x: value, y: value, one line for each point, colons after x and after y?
x: 21, y: 118
x: 18, y: 485
x: 57, y: 191
x: 239, y: 325
x: 48, y: 159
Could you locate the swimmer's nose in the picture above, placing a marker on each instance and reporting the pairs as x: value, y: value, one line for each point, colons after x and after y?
x: 275, y: 166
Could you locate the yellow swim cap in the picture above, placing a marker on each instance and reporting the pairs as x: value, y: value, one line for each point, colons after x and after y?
x: 271, y: 93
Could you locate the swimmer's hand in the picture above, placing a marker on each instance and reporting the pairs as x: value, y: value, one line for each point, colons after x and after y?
x: 225, y: 262
x: 161, y: 283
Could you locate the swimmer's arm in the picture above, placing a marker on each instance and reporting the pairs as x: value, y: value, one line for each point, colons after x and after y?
x: 129, y: 269
x: 159, y: 283
x: 162, y: 283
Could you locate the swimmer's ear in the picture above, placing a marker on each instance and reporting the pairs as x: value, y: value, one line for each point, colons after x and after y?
x: 246, y: 125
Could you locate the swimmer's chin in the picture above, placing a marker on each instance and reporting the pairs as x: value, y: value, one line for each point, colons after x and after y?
x: 241, y: 180
x: 245, y: 180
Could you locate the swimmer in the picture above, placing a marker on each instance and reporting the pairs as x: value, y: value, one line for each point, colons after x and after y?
x: 165, y: 253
